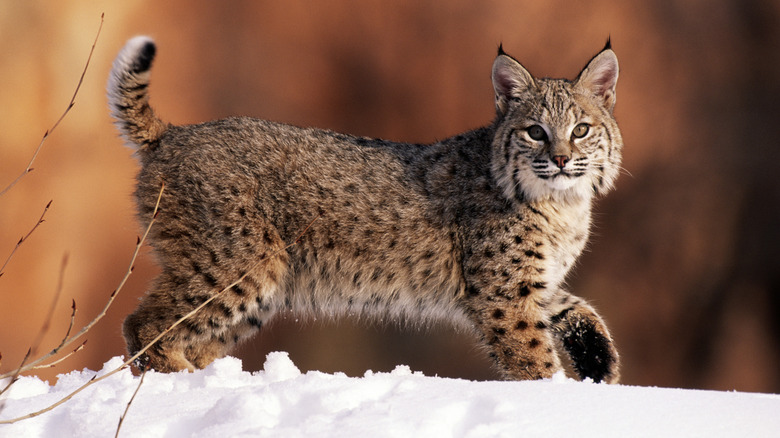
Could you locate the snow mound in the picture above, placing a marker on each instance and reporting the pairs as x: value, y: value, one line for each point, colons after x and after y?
x: 225, y: 401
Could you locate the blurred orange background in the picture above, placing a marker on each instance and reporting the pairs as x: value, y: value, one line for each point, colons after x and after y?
x: 683, y: 262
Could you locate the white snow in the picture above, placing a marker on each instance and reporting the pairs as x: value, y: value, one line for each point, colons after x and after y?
x: 224, y: 401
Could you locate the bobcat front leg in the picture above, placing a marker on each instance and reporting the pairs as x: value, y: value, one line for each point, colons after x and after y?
x: 585, y: 337
x: 515, y: 331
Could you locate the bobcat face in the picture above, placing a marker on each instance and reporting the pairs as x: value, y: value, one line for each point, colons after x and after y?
x: 556, y: 139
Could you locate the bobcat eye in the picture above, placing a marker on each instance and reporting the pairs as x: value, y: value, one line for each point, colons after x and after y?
x: 580, y: 130
x: 537, y: 133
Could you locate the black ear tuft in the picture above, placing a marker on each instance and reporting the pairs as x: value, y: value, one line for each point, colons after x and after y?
x: 501, y: 49
x: 608, y: 46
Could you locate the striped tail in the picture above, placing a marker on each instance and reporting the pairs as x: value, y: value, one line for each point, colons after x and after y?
x: 128, y: 94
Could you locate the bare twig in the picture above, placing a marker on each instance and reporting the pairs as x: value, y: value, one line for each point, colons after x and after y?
x: 15, y: 375
x: 132, y: 359
x: 24, y: 238
x: 54, y: 363
x: 69, y: 340
x: 47, y: 321
x: 29, y: 167
x: 124, y: 414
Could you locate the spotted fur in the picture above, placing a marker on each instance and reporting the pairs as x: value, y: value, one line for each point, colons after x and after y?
x: 479, y: 229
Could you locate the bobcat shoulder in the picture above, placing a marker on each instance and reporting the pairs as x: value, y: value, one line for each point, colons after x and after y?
x: 479, y: 229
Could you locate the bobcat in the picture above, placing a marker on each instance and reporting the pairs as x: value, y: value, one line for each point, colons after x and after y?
x: 479, y: 229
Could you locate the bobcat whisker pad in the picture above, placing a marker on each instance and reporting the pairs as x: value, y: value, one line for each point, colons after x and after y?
x: 479, y: 229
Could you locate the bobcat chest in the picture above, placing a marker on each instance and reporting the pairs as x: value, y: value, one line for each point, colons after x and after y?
x: 561, y: 232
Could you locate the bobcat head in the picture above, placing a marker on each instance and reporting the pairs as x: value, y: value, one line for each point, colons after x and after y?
x: 556, y: 139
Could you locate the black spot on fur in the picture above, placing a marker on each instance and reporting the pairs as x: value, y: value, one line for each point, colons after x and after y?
x: 498, y: 314
x: 539, y: 213
x: 521, y: 325
x: 555, y: 319
x: 534, y: 254
x: 227, y: 311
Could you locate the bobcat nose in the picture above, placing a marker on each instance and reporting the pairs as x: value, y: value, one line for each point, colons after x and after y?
x: 560, y: 160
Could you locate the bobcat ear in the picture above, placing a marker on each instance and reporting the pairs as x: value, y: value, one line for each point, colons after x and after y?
x: 600, y: 76
x: 509, y: 79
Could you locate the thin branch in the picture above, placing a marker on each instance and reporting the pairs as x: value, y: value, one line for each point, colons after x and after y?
x: 15, y: 375
x: 132, y: 359
x: 50, y: 315
x: 29, y: 167
x: 53, y: 364
x: 127, y: 408
x: 69, y: 340
x: 24, y: 238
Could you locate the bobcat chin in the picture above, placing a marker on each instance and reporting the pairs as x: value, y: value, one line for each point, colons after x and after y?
x: 479, y: 229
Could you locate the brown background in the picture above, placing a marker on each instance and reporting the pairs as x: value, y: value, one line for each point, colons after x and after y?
x: 684, y: 258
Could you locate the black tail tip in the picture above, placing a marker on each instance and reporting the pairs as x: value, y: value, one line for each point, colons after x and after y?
x: 144, y: 57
